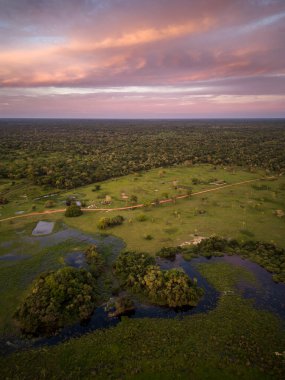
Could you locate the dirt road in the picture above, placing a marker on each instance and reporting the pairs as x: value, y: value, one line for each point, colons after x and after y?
x: 47, y: 212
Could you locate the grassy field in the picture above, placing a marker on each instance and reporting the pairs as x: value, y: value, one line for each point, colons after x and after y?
x: 245, y: 211
x: 234, y: 341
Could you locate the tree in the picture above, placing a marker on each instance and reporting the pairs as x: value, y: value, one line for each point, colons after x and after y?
x: 73, y: 210
x: 57, y: 299
x: 110, y: 222
x: 94, y: 259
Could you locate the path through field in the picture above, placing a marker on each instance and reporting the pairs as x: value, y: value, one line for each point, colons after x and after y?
x: 47, y: 212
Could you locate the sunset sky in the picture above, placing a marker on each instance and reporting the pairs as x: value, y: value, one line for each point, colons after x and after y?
x: 142, y: 58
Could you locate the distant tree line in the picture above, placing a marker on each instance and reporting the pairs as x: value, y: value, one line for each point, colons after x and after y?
x: 67, y: 153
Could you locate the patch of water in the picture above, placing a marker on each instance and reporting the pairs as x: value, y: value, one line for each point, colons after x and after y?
x: 76, y: 260
x: 72, y: 234
x: 43, y: 228
x: 12, y: 257
x: 266, y: 294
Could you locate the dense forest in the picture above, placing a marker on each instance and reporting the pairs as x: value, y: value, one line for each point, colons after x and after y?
x: 70, y: 153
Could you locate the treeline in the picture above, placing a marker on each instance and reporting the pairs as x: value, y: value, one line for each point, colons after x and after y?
x: 70, y: 153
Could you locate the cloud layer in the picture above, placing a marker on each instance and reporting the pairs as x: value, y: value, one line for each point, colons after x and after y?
x: 133, y: 58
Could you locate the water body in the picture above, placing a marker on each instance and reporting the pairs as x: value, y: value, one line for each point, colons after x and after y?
x: 76, y: 260
x: 72, y: 234
x: 13, y: 257
x: 266, y: 294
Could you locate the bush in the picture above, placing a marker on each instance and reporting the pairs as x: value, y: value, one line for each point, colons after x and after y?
x: 110, y: 222
x: 94, y: 259
x: 57, y: 299
x: 169, y: 252
x: 72, y: 211
x: 141, y: 218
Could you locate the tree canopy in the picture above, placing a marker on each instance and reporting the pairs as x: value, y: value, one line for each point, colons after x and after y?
x: 57, y: 299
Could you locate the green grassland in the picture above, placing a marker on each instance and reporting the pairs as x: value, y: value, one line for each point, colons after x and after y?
x: 234, y: 341
x: 241, y: 212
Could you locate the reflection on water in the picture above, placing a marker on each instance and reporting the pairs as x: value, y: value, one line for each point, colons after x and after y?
x: 266, y: 294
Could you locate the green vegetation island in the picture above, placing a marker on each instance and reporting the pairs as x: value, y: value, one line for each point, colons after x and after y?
x: 149, y: 250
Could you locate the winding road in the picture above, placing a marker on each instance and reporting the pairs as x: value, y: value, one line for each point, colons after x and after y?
x: 47, y: 212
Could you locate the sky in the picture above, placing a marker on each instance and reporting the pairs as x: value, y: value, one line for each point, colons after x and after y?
x: 142, y: 58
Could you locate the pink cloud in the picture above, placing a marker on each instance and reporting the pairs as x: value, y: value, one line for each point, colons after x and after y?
x: 226, y: 47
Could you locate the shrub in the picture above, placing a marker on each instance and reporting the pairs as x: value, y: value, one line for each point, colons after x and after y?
x: 169, y: 252
x: 110, y: 222
x: 73, y: 210
x: 94, y: 259
x: 148, y: 237
x: 141, y: 218
x: 57, y: 299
